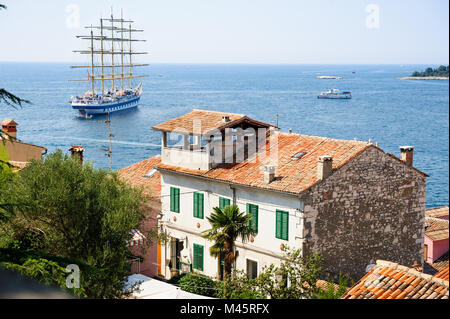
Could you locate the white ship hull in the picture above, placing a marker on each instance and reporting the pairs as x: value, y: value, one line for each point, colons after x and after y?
x: 88, y: 106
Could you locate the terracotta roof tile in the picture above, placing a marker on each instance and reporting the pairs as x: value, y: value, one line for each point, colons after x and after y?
x: 436, y: 228
x: 443, y: 274
x: 203, y: 121
x: 437, y: 212
x: 392, y: 281
x: 135, y: 174
x: 292, y: 175
x: 9, y: 122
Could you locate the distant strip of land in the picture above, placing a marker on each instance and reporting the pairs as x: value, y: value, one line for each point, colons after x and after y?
x: 424, y: 78
x: 441, y: 73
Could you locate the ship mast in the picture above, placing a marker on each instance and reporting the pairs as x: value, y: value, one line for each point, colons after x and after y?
x: 92, y: 62
x: 121, y: 49
x: 131, y: 64
x: 101, y: 49
x: 112, y: 51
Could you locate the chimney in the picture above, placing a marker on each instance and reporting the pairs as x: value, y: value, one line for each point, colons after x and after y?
x: 324, y: 167
x: 225, y: 118
x: 9, y: 127
x: 77, y: 150
x: 269, y: 173
x: 406, y: 154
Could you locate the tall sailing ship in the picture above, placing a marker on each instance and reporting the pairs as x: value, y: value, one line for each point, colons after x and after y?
x: 111, y: 52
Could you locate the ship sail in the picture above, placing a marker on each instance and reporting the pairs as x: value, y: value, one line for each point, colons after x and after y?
x: 111, y: 48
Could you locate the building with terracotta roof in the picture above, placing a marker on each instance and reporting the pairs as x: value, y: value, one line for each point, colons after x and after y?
x: 19, y: 153
x: 388, y: 280
x: 144, y: 176
x: 436, y: 234
x: 347, y: 199
x: 437, y: 212
x: 443, y: 273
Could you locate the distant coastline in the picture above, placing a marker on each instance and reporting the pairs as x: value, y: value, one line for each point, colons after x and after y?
x: 441, y: 73
x: 424, y: 78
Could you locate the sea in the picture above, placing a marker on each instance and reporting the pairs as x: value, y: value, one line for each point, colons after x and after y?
x: 383, y: 109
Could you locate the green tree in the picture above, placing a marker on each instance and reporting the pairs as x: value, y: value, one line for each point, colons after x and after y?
x: 239, y: 286
x: 77, y: 212
x: 296, y: 277
x: 227, y: 225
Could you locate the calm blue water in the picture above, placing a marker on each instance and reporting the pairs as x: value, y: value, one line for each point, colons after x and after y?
x: 383, y: 109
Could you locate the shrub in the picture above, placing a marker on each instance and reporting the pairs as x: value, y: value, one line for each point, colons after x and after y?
x: 175, y: 280
x: 198, y: 284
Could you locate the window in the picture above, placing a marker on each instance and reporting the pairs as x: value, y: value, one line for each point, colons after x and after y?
x: 198, y: 257
x: 175, y: 199
x: 223, y: 202
x: 198, y: 205
x: 298, y: 155
x: 253, y: 209
x: 282, y: 225
x: 252, y: 269
x: 150, y: 173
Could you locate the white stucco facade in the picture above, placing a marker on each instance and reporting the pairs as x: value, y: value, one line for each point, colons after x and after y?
x: 265, y: 248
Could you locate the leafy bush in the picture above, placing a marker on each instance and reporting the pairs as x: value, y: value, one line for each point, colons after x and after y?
x: 334, y: 290
x: 198, y: 284
x: 239, y: 286
x: 175, y: 280
x: 43, y: 267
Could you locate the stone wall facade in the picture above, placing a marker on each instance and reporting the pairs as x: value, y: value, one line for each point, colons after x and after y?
x: 371, y: 208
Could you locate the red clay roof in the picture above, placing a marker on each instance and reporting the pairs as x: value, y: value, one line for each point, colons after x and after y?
x: 203, y: 121
x: 443, y: 273
x: 389, y: 280
x: 135, y: 174
x: 437, y: 212
x: 9, y: 122
x: 292, y: 175
x: 436, y: 228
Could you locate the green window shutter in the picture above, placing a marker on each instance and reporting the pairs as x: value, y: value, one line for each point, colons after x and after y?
x: 253, y: 210
x: 278, y: 225
x: 198, y: 257
x: 195, y: 204
x: 178, y: 200
x: 198, y: 205
x: 175, y: 199
x: 202, y: 205
x: 282, y: 225
x: 223, y: 202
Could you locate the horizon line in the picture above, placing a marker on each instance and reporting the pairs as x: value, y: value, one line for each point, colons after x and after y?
x: 234, y: 63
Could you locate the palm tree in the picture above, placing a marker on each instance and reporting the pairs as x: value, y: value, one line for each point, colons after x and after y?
x: 227, y: 225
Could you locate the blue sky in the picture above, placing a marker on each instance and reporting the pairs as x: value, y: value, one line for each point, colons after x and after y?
x: 239, y: 31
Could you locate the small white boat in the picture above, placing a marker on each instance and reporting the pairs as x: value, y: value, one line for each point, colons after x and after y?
x: 335, y: 94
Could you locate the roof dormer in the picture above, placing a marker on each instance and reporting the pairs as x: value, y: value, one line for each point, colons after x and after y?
x: 204, y: 139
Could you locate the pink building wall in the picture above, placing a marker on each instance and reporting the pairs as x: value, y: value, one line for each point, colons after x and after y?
x: 435, y: 249
x: 149, y: 267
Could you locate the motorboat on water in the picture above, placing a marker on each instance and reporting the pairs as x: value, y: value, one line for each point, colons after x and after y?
x: 335, y: 94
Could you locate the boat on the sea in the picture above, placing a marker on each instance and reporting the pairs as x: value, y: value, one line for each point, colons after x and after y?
x: 335, y: 94
x: 112, y: 46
